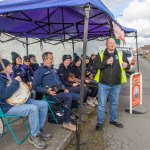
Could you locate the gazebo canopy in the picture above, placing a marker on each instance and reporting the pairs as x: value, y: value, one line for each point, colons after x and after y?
x: 55, y: 19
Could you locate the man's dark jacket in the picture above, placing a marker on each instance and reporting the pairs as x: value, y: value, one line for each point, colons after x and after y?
x: 110, y: 74
x: 45, y: 77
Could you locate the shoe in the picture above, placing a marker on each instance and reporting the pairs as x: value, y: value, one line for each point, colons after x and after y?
x: 90, y: 102
x: 45, y: 136
x: 99, y: 126
x: 69, y: 126
x: 37, y: 142
x: 117, y: 124
x: 95, y: 101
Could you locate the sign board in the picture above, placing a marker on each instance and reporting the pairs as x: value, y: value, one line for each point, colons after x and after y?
x: 135, y: 90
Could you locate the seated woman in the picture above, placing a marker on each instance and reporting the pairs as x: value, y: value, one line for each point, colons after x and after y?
x: 64, y: 72
x: 90, y: 83
x: 28, y: 71
x: 17, y: 66
x: 35, y: 110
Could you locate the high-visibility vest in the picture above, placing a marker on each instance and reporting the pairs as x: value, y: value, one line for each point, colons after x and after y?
x: 123, y: 73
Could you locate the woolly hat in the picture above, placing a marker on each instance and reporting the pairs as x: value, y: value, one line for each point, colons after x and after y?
x: 26, y: 58
x: 66, y: 57
x: 76, y: 58
x: 14, y: 56
x: 31, y: 55
x: 6, y: 63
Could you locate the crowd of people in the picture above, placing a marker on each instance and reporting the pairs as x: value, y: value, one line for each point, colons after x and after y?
x: 104, y: 75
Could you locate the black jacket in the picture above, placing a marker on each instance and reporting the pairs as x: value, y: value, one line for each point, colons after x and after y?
x: 63, y: 73
x: 110, y: 74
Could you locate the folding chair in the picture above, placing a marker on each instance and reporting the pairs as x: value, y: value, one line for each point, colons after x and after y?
x: 50, y: 102
x: 8, y: 122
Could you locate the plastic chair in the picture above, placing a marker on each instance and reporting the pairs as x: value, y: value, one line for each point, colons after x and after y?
x: 8, y: 122
x: 50, y: 102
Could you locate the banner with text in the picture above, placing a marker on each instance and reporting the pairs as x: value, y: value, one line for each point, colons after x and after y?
x: 135, y: 90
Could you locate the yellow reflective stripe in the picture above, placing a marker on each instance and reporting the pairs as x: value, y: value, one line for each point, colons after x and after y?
x: 97, y: 76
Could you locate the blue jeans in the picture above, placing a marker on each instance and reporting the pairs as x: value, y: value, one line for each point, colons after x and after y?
x: 36, y: 110
x: 103, y: 92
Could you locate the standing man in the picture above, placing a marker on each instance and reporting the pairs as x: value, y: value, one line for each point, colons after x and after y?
x: 110, y: 65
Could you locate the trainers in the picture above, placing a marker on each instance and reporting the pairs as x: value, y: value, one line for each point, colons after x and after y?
x: 99, y: 126
x: 69, y: 126
x: 45, y: 136
x: 95, y: 101
x: 37, y: 142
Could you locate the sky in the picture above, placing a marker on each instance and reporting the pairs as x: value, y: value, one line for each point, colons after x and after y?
x: 133, y: 14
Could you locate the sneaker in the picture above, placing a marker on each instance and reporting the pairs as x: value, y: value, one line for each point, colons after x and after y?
x: 37, y: 142
x: 45, y: 136
x: 69, y: 126
x: 99, y: 126
x: 90, y: 102
x: 95, y: 101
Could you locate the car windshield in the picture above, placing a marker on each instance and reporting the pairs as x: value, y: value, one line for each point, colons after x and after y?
x: 127, y: 53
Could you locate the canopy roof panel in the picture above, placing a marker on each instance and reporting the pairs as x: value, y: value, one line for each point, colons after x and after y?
x: 54, y: 19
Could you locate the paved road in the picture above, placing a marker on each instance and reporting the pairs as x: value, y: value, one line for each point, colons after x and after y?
x: 136, y: 132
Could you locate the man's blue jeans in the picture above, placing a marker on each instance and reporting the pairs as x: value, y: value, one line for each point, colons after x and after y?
x: 103, y: 92
x: 36, y: 110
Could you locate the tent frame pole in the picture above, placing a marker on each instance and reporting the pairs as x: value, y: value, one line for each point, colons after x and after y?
x: 81, y: 108
x: 27, y: 46
x: 138, y: 69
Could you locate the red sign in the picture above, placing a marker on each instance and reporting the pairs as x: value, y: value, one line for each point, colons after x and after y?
x: 136, y: 90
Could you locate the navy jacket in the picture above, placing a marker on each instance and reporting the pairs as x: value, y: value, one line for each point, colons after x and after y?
x: 18, y: 71
x: 28, y: 73
x: 45, y: 77
x: 6, y: 91
x: 63, y: 73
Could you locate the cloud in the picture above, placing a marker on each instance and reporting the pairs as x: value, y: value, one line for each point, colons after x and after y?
x: 137, y: 16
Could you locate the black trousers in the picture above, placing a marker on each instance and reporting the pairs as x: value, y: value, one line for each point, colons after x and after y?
x: 76, y: 89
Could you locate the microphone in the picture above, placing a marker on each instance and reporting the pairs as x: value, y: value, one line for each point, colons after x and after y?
x: 111, y: 55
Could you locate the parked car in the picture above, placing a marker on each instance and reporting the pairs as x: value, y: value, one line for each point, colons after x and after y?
x: 129, y: 55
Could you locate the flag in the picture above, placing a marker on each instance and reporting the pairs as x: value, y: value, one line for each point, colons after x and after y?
x: 118, y: 32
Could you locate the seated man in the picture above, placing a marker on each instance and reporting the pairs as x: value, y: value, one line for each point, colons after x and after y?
x: 35, y: 110
x: 45, y: 78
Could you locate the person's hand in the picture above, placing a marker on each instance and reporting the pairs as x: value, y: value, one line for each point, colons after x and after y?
x: 87, y: 81
x: 124, y: 65
x: 29, y: 84
x: 110, y: 61
x: 51, y: 92
x: 18, y: 79
x: 75, y: 84
x: 66, y: 91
